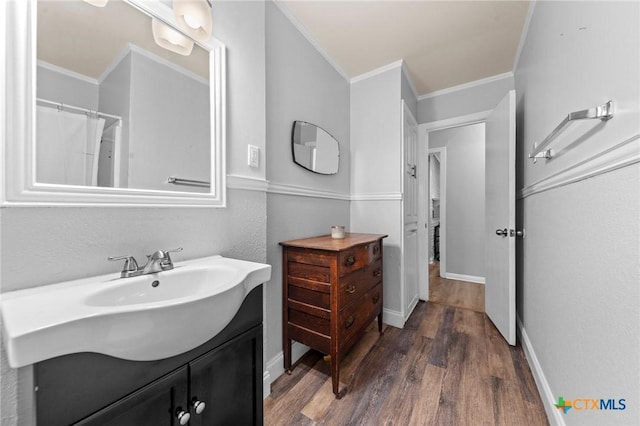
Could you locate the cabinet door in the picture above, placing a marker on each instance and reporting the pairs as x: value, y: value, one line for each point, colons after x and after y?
x: 228, y: 380
x: 156, y: 404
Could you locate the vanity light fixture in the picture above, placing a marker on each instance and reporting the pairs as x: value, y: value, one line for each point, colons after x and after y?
x: 170, y: 39
x: 194, y: 16
x: 97, y: 3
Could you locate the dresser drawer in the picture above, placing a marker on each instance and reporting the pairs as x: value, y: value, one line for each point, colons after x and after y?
x: 359, y: 315
x: 304, y: 271
x: 358, y: 257
x: 354, y: 285
x: 310, y: 297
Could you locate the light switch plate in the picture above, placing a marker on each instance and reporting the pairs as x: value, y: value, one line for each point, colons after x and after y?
x: 254, y: 156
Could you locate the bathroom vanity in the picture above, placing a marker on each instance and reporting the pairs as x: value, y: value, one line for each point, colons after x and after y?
x: 219, y: 382
x: 332, y: 290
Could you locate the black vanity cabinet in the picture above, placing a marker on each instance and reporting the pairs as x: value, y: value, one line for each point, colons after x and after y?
x: 159, y: 403
x: 218, y: 383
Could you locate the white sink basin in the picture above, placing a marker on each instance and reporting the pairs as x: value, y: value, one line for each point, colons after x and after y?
x: 143, y: 318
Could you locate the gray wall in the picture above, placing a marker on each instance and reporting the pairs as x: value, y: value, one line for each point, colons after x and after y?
x: 578, y: 269
x: 468, y: 100
x: 169, y: 127
x: 45, y: 245
x: 301, y: 85
x: 376, y: 149
x: 408, y: 95
x: 115, y: 99
x: 464, y: 197
x: 60, y: 87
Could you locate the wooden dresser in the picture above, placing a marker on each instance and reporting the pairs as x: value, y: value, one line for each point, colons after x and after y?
x: 332, y: 290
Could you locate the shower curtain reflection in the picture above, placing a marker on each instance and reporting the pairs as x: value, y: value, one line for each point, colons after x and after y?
x: 68, y: 146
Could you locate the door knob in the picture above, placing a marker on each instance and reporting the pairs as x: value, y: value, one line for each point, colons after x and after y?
x: 514, y: 233
x: 502, y: 232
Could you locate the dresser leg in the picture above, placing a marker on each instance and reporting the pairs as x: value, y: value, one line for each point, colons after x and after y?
x: 287, y: 356
x: 380, y: 323
x: 335, y: 376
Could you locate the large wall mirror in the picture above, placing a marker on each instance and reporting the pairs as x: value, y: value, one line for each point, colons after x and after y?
x: 109, y: 115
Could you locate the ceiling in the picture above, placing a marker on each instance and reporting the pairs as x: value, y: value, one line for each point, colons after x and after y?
x: 87, y: 40
x: 443, y: 43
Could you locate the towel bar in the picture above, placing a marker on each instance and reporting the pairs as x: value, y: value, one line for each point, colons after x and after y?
x: 602, y: 112
x: 188, y: 182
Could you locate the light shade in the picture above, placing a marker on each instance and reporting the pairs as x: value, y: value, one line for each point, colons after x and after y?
x: 170, y: 39
x: 97, y: 3
x: 194, y: 16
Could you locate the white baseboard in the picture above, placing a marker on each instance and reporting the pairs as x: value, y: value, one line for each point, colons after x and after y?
x: 393, y: 318
x: 275, y: 366
x: 461, y: 277
x: 266, y: 384
x: 548, y: 400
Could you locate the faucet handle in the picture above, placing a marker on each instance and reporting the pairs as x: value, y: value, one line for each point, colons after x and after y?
x: 130, y: 264
x: 168, y: 258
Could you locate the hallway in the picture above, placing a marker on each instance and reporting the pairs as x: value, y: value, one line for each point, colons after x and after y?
x: 448, y: 366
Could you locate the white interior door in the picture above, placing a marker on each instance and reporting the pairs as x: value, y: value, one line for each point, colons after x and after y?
x: 410, y: 210
x: 500, y: 198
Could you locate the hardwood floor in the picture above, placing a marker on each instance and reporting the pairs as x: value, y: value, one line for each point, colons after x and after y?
x: 461, y: 294
x: 447, y: 366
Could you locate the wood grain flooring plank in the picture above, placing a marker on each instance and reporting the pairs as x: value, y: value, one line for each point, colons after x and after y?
x: 285, y: 410
x: 425, y: 410
x: 405, y: 393
x: 500, y: 362
x: 431, y: 320
x: 442, y: 340
x: 469, y: 322
x: 316, y: 408
x: 466, y: 397
x: 283, y: 384
x: 525, y: 381
x: 507, y: 410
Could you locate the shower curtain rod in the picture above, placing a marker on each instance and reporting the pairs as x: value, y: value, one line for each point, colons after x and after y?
x: 68, y: 107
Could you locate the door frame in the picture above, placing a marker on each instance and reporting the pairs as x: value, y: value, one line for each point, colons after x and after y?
x: 443, y: 206
x: 423, y: 185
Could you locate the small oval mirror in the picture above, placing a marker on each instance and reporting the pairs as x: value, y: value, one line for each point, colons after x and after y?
x: 314, y: 149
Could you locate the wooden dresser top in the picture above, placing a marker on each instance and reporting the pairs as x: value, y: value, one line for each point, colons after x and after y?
x: 325, y: 242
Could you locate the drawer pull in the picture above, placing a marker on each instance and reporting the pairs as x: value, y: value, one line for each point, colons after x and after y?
x: 376, y: 249
x: 375, y: 298
x: 351, y: 289
x: 349, y: 261
x: 349, y: 322
x: 377, y: 272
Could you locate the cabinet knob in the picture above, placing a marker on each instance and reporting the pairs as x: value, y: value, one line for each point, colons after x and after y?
x: 198, y: 406
x: 351, y: 289
x: 183, y: 416
x: 349, y: 261
x: 349, y: 322
x: 375, y: 298
x: 376, y: 249
x: 377, y: 272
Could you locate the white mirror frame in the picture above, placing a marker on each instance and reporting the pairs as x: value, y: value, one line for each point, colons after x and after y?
x: 17, y: 123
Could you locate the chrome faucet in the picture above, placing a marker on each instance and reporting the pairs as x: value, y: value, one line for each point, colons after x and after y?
x: 157, y: 262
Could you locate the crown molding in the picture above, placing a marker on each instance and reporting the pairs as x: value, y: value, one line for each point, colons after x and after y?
x: 382, y: 69
x: 66, y: 72
x: 468, y: 85
x: 405, y: 70
x: 525, y: 32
